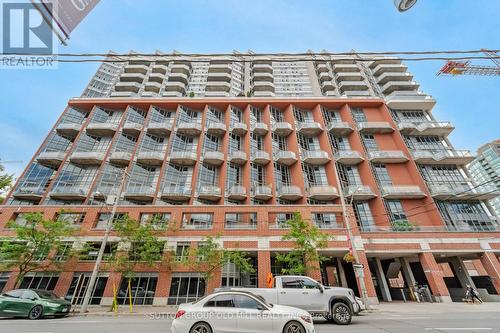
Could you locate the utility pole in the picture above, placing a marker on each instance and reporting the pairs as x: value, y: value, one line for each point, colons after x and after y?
x: 109, y: 227
x: 347, y: 219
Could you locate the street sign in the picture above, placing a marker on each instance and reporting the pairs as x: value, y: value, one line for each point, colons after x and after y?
x: 359, y: 266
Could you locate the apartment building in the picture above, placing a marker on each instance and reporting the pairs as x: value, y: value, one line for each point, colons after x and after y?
x: 485, y: 169
x: 234, y: 145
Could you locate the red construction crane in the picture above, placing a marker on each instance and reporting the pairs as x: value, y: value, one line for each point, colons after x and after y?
x: 465, y: 68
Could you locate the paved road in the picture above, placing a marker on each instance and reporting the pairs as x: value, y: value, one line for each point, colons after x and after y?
x: 377, y: 322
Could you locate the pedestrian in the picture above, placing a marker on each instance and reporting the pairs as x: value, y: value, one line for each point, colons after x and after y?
x: 472, y: 294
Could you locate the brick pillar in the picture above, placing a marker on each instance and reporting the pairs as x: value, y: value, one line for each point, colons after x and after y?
x: 11, y: 282
x: 314, y: 270
x: 434, y: 276
x: 370, y: 288
x: 162, y: 288
x: 214, y: 281
x: 492, y: 266
x: 264, y: 267
x: 63, y: 283
x: 107, y: 296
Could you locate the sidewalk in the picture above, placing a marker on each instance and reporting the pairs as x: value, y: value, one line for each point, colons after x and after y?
x: 388, y: 308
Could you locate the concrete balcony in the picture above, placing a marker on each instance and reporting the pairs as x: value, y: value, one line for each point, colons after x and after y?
x: 120, y: 157
x: 122, y: 94
x: 463, y: 192
x: 160, y: 129
x: 315, y: 157
x: 350, y: 76
x: 387, y: 156
x: 237, y: 192
x: 345, y: 68
x: 160, y: 69
x: 144, y: 192
x: 372, y: 127
x: 128, y: 87
x: 311, y: 128
x: 285, y: 157
x: 322, y: 192
x: 322, y: 67
x: 51, y: 158
x: 217, y: 94
x: 263, y: 86
x: 261, y: 157
x: 327, y: 86
x: 172, y: 87
x: 220, y: 68
x: 391, y: 86
x: 385, y: 68
x: 132, y: 77
x: 69, y: 129
x: 189, y: 129
x: 260, y: 128
x: 143, y: 69
x: 181, y: 68
x: 263, y: 94
x: 29, y: 192
x: 283, y: 128
x: 340, y: 128
x: 263, y: 76
x: 153, y: 87
x: 238, y: 157
x: 262, y: 192
x: 133, y: 129
x: 216, y: 128
x: 213, y: 158
x: 426, y: 128
x: 345, y: 86
x: 409, y: 100
x: 359, y: 192
x: 348, y: 157
x: 153, y: 158
x: 239, y: 128
x: 179, y: 77
x: 209, y: 192
x: 290, y: 192
x: 69, y: 192
x: 219, y: 77
x: 402, y: 192
x: 183, y: 157
x: 325, y: 76
x: 176, y: 193
x: 87, y: 157
x: 262, y: 68
x: 398, y: 76
x: 217, y: 86
x: 453, y: 157
x: 358, y: 93
x: 102, y: 129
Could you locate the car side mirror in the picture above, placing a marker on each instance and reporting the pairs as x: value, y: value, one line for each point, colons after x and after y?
x: 320, y: 287
x: 33, y: 298
x: 260, y: 307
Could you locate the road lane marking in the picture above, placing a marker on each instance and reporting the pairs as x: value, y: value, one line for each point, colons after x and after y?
x: 458, y: 328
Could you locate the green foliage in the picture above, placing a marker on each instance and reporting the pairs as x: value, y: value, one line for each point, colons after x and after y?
x: 307, y: 240
x: 145, y: 247
x: 403, y: 225
x: 5, y: 182
x: 191, y: 94
x: 28, y: 249
x: 249, y: 93
x: 210, y: 256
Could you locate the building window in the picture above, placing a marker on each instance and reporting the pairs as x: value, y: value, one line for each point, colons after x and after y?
x: 142, y: 287
x: 233, y: 277
x: 158, y: 221
x: 79, y: 285
x: 241, y: 221
x: 63, y: 251
x: 182, y: 251
x: 369, y: 142
x: 75, y: 219
x: 381, y: 174
x: 197, y: 220
x: 395, y: 210
x: 91, y: 251
x: 358, y: 115
x: 186, y: 287
x: 44, y: 281
x: 363, y: 215
x: 325, y: 220
x: 4, y: 277
x: 103, y: 218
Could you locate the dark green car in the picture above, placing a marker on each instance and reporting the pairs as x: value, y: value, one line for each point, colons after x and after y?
x: 33, y: 304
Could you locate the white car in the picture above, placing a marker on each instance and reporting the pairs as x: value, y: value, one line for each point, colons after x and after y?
x: 239, y: 311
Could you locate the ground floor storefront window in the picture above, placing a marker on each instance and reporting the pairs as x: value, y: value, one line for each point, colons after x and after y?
x: 79, y: 285
x: 4, y: 277
x: 186, y: 287
x: 142, y: 289
x: 45, y: 281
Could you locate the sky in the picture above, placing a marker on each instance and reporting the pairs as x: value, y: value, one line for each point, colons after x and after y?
x: 31, y: 100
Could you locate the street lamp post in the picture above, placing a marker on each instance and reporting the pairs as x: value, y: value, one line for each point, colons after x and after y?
x: 347, y: 219
x: 109, y: 227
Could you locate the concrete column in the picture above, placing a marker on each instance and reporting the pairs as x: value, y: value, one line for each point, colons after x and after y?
x: 114, y: 279
x: 214, y: 281
x: 492, y: 266
x: 407, y: 272
x: 384, y: 287
x: 343, y: 280
x: 264, y: 267
x: 461, y: 272
x: 370, y: 288
x: 434, y: 276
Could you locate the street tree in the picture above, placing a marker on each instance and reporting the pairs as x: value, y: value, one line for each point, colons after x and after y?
x: 5, y: 183
x: 307, y: 240
x: 29, y: 250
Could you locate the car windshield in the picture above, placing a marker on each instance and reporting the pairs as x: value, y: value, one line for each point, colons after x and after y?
x: 46, y: 294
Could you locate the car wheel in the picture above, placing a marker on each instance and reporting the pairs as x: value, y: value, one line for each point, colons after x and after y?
x: 36, y: 312
x: 294, y: 327
x: 341, y: 314
x: 201, y: 328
